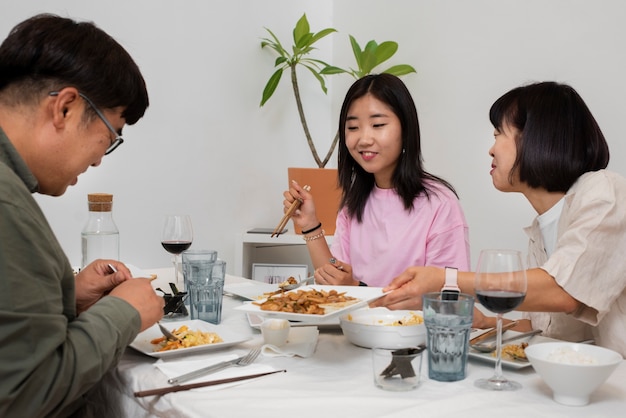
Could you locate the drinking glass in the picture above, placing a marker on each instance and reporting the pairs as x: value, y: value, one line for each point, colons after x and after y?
x: 176, y: 237
x: 500, y: 286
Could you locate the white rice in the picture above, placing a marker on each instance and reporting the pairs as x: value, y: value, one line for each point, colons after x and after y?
x: 569, y: 356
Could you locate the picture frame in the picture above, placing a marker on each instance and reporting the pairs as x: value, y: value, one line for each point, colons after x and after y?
x: 278, y: 273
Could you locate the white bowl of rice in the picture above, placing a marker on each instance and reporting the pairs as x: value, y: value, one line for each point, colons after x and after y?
x: 573, y: 371
x: 384, y: 328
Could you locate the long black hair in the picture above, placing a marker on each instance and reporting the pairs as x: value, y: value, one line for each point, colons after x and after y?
x: 409, y: 177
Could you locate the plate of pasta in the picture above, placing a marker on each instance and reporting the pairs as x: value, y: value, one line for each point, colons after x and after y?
x: 313, y: 303
x: 195, y: 336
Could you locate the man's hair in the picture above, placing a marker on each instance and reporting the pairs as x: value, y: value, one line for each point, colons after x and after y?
x: 48, y: 52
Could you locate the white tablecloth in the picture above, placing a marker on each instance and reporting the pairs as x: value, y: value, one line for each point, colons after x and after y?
x: 336, y: 381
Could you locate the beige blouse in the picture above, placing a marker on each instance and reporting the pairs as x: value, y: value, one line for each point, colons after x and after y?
x: 589, y: 262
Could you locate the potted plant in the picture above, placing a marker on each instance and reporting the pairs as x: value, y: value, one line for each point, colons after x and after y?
x: 367, y: 59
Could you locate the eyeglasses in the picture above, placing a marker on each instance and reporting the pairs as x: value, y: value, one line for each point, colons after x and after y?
x: 118, y: 138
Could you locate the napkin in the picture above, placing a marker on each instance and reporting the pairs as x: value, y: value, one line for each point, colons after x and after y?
x: 176, y: 368
x: 301, y: 342
x: 137, y: 272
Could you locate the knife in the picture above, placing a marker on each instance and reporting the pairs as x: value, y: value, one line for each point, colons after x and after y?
x: 492, y: 332
x: 205, y: 370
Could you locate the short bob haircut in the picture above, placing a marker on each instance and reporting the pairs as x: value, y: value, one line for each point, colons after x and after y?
x: 409, y: 177
x: 47, y: 52
x: 558, y: 138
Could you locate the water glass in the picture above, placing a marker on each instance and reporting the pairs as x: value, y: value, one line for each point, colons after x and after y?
x: 397, y: 369
x: 204, y: 277
x: 448, y: 327
x: 197, y: 264
x: 205, y: 297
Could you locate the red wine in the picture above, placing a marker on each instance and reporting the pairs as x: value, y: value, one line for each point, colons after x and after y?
x: 500, y: 301
x: 176, y: 247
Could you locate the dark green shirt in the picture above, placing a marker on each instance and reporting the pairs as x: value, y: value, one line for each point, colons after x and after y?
x: 49, y: 356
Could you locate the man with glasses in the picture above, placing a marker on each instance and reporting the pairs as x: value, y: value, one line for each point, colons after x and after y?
x: 62, y: 109
x: 118, y: 138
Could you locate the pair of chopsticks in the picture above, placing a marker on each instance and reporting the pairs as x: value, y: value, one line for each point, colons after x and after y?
x: 178, y: 388
x: 294, y: 206
x: 492, y: 332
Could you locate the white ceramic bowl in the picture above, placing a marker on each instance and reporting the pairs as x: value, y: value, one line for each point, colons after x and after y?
x: 572, y: 384
x: 373, y: 327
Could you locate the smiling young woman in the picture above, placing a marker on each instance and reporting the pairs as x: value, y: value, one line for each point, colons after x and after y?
x: 393, y: 213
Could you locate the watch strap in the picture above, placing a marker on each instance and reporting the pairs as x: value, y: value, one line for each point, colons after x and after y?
x: 451, y: 290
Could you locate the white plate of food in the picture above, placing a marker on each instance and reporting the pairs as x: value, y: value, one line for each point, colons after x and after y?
x: 250, y: 289
x: 514, y: 346
x: 327, y: 301
x: 143, y: 342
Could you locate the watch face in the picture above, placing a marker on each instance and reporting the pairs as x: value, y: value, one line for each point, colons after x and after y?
x: 450, y: 295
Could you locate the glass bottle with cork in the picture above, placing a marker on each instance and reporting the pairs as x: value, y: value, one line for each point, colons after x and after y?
x: 100, y: 237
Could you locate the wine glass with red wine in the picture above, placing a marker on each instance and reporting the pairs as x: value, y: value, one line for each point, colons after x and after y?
x: 177, y: 237
x: 500, y: 286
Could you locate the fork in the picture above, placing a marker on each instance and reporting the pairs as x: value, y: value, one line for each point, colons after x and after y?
x: 308, y: 280
x: 240, y: 362
x: 167, y: 333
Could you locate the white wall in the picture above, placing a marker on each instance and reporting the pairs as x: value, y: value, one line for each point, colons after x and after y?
x: 206, y: 148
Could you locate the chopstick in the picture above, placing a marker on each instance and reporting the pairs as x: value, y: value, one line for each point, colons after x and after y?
x: 294, y: 206
x: 178, y: 388
x: 492, y: 332
x: 114, y: 270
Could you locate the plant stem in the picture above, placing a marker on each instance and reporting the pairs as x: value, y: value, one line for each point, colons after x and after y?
x: 331, y: 150
x: 309, y: 140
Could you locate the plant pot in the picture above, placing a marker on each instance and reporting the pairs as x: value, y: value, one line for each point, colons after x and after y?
x: 325, y: 190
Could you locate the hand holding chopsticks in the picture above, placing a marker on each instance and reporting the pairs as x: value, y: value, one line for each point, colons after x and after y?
x: 294, y: 206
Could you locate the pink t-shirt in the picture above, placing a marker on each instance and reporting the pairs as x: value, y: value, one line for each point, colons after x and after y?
x: 390, y: 239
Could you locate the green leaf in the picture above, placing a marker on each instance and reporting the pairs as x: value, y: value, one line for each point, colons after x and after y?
x: 385, y: 51
x: 275, y: 47
x: 319, y: 35
x: 356, y: 50
x: 400, y: 70
x: 275, y: 44
x: 330, y: 70
x: 369, y: 59
x: 271, y: 85
x: 318, y: 76
x: 316, y: 62
x: 304, y: 41
x: 301, y: 29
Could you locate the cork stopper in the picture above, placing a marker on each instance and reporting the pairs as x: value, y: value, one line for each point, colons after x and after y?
x: 100, y: 202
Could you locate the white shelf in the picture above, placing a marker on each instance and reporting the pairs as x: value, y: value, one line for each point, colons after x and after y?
x: 283, y: 249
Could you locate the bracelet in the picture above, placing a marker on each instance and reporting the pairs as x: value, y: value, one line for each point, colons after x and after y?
x: 308, y: 231
x: 314, y: 237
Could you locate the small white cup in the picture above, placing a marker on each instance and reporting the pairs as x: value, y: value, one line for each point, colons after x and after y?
x: 275, y: 331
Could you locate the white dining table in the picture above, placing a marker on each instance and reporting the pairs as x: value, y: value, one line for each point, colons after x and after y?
x: 337, y: 381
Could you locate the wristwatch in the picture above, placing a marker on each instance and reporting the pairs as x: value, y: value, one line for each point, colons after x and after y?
x: 450, y: 290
